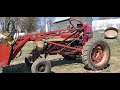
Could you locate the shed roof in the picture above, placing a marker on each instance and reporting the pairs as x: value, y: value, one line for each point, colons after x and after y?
x: 59, y: 19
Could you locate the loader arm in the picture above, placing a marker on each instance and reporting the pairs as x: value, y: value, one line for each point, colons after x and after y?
x: 22, y: 40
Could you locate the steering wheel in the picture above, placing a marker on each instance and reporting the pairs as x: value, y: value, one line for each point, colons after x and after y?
x: 73, y: 24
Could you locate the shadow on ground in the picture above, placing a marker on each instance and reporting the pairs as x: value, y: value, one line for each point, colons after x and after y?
x: 85, y: 67
x: 18, y: 68
x: 23, y: 68
x: 64, y: 61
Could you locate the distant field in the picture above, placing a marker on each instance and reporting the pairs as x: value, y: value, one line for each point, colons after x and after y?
x: 59, y: 65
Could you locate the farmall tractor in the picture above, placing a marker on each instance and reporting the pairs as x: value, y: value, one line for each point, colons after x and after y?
x: 76, y: 41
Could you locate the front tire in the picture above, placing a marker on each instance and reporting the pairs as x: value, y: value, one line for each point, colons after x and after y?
x: 96, y: 54
x: 41, y: 66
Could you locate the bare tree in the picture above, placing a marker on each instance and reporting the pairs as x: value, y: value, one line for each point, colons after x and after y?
x: 42, y: 23
x: 42, y: 28
x: 5, y: 23
x: 8, y: 23
x: 26, y: 24
x: 50, y: 23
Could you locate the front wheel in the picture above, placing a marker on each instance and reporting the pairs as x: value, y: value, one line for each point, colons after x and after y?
x: 41, y: 66
x: 96, y: 54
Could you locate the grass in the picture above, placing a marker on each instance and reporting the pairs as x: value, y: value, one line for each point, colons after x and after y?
x: 60, y: 65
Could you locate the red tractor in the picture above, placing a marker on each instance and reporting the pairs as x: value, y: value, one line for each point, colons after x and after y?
x: 75, y: 41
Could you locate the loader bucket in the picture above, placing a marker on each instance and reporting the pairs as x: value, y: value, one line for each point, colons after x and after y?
x: 5, y: 51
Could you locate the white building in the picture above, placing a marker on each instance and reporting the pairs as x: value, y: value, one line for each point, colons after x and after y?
x: 104, y: 24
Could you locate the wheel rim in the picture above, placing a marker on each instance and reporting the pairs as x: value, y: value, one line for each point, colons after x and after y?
x: 41, y: 68
x: 99, y: 54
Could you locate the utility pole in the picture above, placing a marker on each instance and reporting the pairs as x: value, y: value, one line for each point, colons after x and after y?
x: 46, y: 24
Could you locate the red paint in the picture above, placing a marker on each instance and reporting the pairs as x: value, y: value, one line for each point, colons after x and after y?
x: 7, y: 53
x: 97, y: 55
x: 4, y: 54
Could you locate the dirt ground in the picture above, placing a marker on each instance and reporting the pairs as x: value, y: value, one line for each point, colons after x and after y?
x: 60, y: 65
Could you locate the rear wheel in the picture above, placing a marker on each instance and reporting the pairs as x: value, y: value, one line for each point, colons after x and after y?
x: 41, y: 66
x: 96, y: 54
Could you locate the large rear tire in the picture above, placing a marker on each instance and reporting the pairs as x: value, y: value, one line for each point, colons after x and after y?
x: 96, y: 54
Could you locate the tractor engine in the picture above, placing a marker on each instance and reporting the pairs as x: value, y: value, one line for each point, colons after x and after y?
x: 41, y: 46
